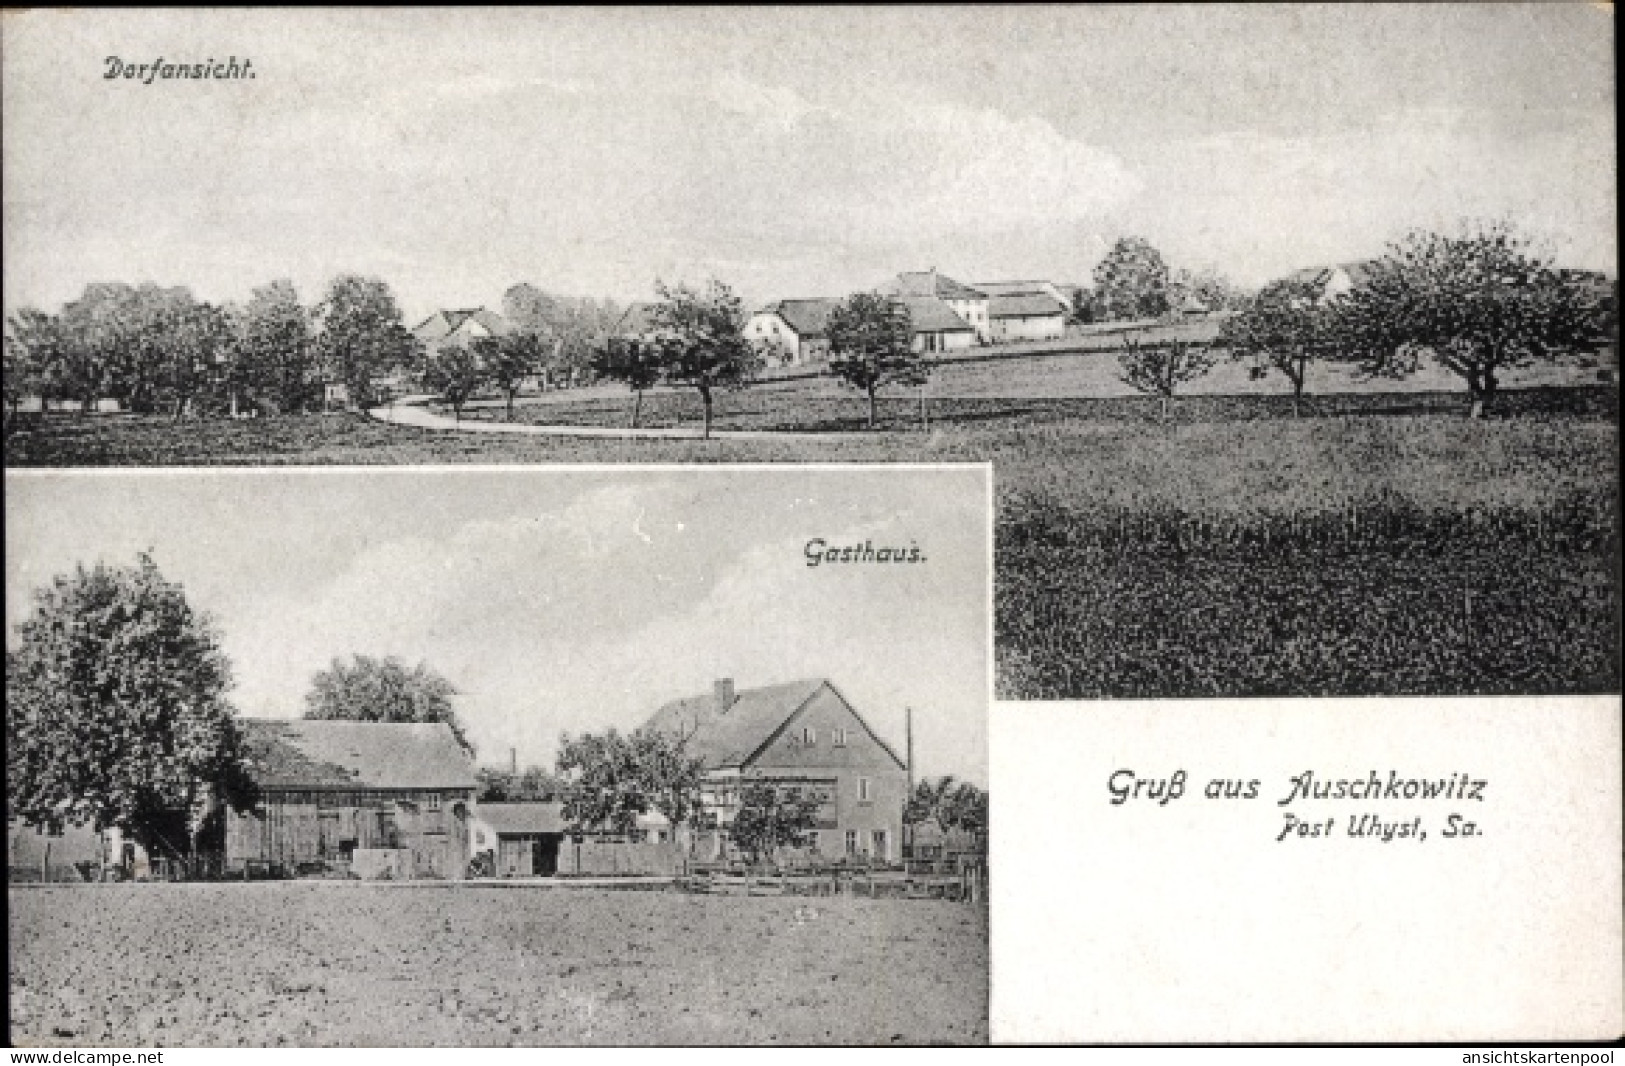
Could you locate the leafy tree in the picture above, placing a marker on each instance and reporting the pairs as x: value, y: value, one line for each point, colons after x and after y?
x: 1132, y: 281
x: 871, y: 346
x: 702, y: 342
x: 1159, y: 369
x: 360, y: 334
x: 1479, y: 302
x: 116, y: 711
x: 456, y: 372
x: 196, y: 342
x: 508, y: 360
x: 1211, y: 289
x: 275, y: 349
x: 383, y: 690
x: 29, y: 350
x: 534, y: 784
x: 951, y: 803
x: 638, y: 364
x: 613, y: 778
x: 770, y: 818
x: 1287, y: 328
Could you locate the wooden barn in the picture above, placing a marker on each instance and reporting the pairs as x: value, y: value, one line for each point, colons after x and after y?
x: 523, y: 839
x: 343, y: 797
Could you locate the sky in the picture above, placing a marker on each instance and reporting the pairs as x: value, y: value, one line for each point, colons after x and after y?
x: 558, y: 599
x: 789, y: 152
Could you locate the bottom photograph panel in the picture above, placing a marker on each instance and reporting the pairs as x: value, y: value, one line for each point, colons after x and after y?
x: 517, y: 757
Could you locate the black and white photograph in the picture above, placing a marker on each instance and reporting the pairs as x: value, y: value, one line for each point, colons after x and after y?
x: 1289, y: 330
x: 556, y: 526
x: 476, y: 758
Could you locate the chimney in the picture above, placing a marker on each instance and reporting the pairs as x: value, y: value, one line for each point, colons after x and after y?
x: 724, y: 689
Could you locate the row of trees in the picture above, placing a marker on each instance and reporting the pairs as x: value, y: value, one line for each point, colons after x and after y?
x: 153, y: 349
x: 1133, y: 282
x: 117, y: 716
x: 1480, y: 302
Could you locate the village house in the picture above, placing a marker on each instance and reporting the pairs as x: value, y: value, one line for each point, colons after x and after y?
x: 1026, y: 317
x: 936, y: 326
x: 793, y: 332
x: 357, y: 797
x: 1032, y: 287
x: 969, y: 304
x: 805, y: 739
x: 459, y: 327
x: 1331, y: 282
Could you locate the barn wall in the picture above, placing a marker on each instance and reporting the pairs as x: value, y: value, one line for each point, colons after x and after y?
x: 292, y: 827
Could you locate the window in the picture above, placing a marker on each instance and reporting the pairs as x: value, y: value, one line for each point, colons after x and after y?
x: 839, y: 739
x: 809, y: 736
x: 865, y: 791
x: 880, y: 844
x: 851, y: 841
x: 434, y: 801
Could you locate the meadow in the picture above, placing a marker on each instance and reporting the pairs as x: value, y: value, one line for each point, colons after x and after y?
x: 285, y: 964
x: 1382, y: 543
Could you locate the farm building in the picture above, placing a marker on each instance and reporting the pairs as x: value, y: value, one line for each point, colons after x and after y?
x: 1034, y: 287
x: 459, y: 327
x: 1026, y: 317
x: 937, y: 327
x: 354, y: 796
x: 968, y: 303
x: 797, y: 330
x: 523, y: 839
x: 1331, y: 281
x: 805, y: 739
x: 66, y: 852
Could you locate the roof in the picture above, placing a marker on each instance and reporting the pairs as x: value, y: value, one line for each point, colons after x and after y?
x: 930, y: 283
x: 927, y: 314
x: 300, y: 753
x: 809, y: 317
x: 751, y: 722
x: 1357, y: 271
x: 636, y: 320
x: 445, y: 323
x: 731, y: 739
x: 1024, y: 305
x: 515, y: 819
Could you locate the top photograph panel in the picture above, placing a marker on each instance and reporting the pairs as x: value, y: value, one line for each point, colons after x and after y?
x: 1290, y: 332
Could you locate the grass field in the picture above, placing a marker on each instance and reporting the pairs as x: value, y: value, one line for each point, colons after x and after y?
x: 273, y: 964
x: 1234, y: 551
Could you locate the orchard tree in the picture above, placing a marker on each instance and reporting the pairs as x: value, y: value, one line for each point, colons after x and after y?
x: 1161, y: 368
x: 360, y: 334
x: 1132, y: 281
x: 635, y: 363
x: 275, y: 350
x: 871, y: 346
x: 611, y: 779
x: 197, y: 343
x: 508, y: 360
x: 1480, y: 302
x: 116, y: 712
x: 702, y: 340
x: 770, y: 818
x: 1287, y: 328
x: 383, y: 690
x: 456, y: 372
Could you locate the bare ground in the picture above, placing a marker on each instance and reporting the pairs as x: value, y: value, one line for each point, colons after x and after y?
x: 347, y: 965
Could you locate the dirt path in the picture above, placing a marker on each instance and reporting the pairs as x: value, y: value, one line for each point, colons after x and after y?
x: 411, y: 411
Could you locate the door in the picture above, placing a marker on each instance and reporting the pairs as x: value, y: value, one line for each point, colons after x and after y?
x: 546, y: 854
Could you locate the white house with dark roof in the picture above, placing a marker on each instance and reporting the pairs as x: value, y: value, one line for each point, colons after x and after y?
x: 937, y: 327
x: 1332, y: 281
x: 1034, y: 316
x: 968, y: 303
x: 806, y: 739
x: 459, y: 327
x: 1030, y: 287
x: 330, y: 789
x: 796, y: 331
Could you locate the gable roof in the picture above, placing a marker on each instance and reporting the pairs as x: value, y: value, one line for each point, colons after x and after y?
x: 930, y: 283
x: 636, y: 320
x: 927, y: 314
x: 752, y: 721
x: 1357, y: 270
x: 299, y: 753
x: 1024, y: 305
x: 513, y: 819
x: 808, y: 317
x: 443, y: 324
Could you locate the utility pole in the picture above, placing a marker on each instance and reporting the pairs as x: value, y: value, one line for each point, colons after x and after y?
x: 908, y: 730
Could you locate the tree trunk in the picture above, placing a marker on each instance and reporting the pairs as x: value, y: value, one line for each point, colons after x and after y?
x: 1163, y: 417
x: 705, y: 396
x: 510, y: 403
x: 637, y: 406
x: 925, y: 420
x: 871, y: 407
